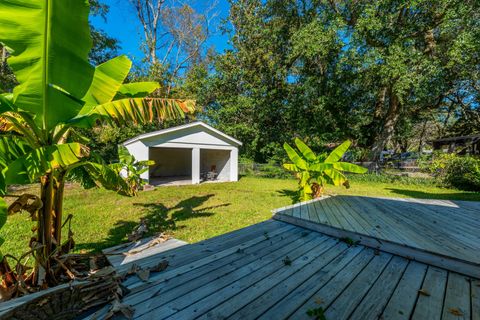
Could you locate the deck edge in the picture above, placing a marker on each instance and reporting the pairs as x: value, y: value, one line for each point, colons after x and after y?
x: 411, y: 253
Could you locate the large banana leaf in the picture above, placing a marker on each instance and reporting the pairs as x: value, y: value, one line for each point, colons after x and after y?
x: 136, y: 110
x: 349, y: 167
x: 336, y: 177
x: 320, y: 167
x: 107, y: 80
x: 304, y: 178
x: 12, y: 148
x: 124, y: 156
x: 305, y: 150
x: 291, y: 167
x: 295, y: 157
x: 107, y: 177
x: 49, y: 42
x: 137, y: 89
x: 338, y: 152
x: 6, y: 104
x: 37, y: 162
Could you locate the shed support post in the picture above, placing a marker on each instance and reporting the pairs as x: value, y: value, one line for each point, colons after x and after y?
x: 195, y: 165
x: 234, y: 165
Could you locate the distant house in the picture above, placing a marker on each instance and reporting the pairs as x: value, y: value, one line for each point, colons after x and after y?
x: 461, y: 145
x: 187, y: 154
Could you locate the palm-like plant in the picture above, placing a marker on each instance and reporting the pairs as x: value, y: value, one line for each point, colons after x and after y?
x: 132, y: 169
x: 58, y: 91
x: 315, y: 171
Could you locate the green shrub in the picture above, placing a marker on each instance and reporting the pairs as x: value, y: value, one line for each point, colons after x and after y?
x: 393, y: 178
x: 461, y: 172
x: 264, y: 170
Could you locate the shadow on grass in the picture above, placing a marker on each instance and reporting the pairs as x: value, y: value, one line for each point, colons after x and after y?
x: 292, y: 194
x: 469, y: 196
x: 159, y: 217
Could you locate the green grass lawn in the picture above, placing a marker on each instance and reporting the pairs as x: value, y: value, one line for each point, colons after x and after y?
x: 191, y: 213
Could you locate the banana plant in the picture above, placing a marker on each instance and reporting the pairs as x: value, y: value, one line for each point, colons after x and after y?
x: 315, y: 171
x: 59, y: 91
x: 131, y: 169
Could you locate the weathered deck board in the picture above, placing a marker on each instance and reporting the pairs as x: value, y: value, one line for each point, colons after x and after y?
x: 217, y: 291
x: 287, y: 276
x: 373, y: 303
x: 193, y: 291
x: 475, y: 299
x: 403, y: 299
x: 411, y: 227
x: 303, y: 282
x: 438, y: 232
x: 457, y: 298
x: 245, y: 277
x: 131, y: 252
x: 430, y: 301
x: 173, y: 287
x: 316, y: 292
x: 346, y: 303
x: 201, y: 249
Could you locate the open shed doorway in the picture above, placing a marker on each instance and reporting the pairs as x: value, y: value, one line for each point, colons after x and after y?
x: 214, y: 165
x: 173, y: 166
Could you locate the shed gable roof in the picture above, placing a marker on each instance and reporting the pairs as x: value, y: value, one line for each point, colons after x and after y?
x: 178, y: 129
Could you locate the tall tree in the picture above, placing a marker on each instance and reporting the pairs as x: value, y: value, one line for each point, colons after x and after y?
x: 104, y: 46
x: 175, y: 36
x: 412, y: 50
x: 328, y: 70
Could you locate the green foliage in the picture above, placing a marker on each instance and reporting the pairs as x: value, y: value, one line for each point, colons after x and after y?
x: 104, y: 139
x: 350, y: 242
x: 461, y: 172
x: 266, y: 170
x: 393, y: 178
x: 104, y: 47
x: 131, y: 169
x: 316, y: 313
x: 30, y: 167
x: 314, y: 172
x: 389, y: 74
x: 59, y: 91
x: 103, y: 218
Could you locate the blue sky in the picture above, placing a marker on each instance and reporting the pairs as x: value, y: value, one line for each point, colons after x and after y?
x: 123, y: 25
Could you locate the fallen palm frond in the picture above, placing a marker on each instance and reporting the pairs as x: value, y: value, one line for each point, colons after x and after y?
x: 68, y: 300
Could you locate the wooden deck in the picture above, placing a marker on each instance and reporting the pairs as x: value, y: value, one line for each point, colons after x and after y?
x: 124, y: 256
x: 441, y: 233
x: 276, y: 270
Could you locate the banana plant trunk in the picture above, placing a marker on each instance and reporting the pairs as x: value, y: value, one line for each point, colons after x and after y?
x: 49, y: 225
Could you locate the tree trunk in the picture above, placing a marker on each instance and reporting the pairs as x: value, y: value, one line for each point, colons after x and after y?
x: 386, y: 134
x: 58, y: 209
x: 373, y: 128
x: 44, y: 231
x: 421, y: 143
x: 377, y: 114
x: 49, y: 232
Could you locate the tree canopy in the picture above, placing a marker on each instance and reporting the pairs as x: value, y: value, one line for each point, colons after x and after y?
x: 383, y: 73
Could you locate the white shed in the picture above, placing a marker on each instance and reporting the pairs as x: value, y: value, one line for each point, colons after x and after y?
x: 187, y: 154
